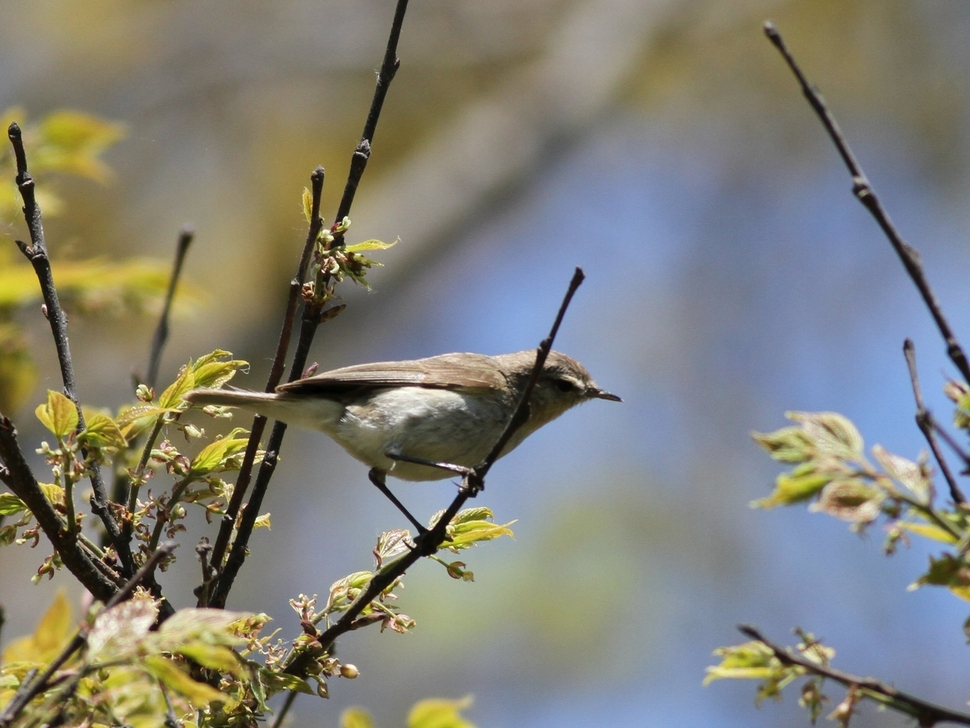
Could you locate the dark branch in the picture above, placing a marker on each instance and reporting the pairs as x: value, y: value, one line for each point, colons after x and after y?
x: 926, y: 713
x: 275, y: 375
x: 161, y: 331
x: 31, y: 688
x: 310, y: 321
x: 431, y: 540
x: 863, y: 190
x: 927, y: 425
x: 358, y: 162
x: 521, y: 413
x: 36, y: 253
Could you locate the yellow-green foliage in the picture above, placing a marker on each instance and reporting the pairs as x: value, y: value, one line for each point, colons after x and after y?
x: 72, y: 143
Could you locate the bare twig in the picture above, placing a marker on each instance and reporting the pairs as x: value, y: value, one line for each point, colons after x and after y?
x: 186, y: 234
x: 275, y: 375
x: 431, y: 540
x: 29, y: 689
x: 927, y: 425
x: 309, y: 324
x: 926, y: 713
x: 36, y: 253
x: 862, y: 189
x: 358, y: 161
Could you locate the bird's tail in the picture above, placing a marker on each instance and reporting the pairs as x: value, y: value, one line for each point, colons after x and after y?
x: 315, y: 413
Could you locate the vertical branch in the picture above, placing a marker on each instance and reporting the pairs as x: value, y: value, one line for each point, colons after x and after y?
x: 358, y: 162
x: 311, y: 320
x: 275, y: 375
x: 161, y: 331
x: 864, y: 192
x: 927, y: 425
x: 36, y: 253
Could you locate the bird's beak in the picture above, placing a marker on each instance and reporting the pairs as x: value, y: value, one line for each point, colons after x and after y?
x: 600, y: 394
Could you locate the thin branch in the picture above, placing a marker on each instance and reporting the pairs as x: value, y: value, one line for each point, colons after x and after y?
x: 927, y: 425
x: 308, y: 328
x: 22, y: 482
x: 358, y: 162
x: 36, y: 687
x: 862, y: 189
x: 36, y: 253
x: 522, y: 409
x: 429, y: 542
x: 926, y: 713
x: 161, y: 331
x: 275, y: 375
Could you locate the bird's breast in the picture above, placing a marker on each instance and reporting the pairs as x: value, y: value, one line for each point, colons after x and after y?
x: 432, y: 424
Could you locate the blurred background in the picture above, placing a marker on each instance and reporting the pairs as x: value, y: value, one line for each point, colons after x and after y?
x: 731, y: 276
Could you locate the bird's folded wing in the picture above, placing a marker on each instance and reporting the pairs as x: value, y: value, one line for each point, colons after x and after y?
x: 451, y: 371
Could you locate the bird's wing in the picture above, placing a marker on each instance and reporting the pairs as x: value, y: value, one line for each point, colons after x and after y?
x: 452, y: 371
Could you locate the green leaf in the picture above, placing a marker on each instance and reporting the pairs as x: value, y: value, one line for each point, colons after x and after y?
x: 356, y: 718
x: 927, y: 530
x: 370, y: 245
x: 948, y: 571
x: 209, y: 625
x: 801, y: 484
x: 53, y: 631
x: 215, y: 657
x: 912, y: 475
x: 471, y: 532
x: 72, y: 142
x: 214, y: 374
x: 59, y: 415
x: 169, y: 674
x: 831, y: 434
x: 102, y: 432
x: 11, y: 504
x: 307, y: 204
x: 787, y: 445
x: 213, y: 457
x: 120, y: 632
x: 440, y: 713
x: 279, y: 681
x: 850, y: 499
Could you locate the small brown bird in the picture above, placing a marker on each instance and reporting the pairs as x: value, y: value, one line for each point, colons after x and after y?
x: 450, y: 408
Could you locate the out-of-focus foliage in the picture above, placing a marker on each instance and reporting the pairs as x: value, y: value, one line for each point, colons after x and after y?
x: 72, y: 143
x: 430, y: 713
x: 127, y: 672
x: 63, y: 141
x: 830, y: 470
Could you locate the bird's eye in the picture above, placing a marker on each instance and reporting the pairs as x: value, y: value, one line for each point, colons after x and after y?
x: 564, y: 385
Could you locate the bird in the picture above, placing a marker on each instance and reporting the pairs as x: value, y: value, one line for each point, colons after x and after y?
x: 421, y: 419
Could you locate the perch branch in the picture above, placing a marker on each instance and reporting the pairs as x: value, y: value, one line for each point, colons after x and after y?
x: 926, y: 713
x: 431, y: 540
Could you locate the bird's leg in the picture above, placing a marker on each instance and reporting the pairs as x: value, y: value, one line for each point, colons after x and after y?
x: 377, y: 477
x: 457, y: 469
x: 473, y: 482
